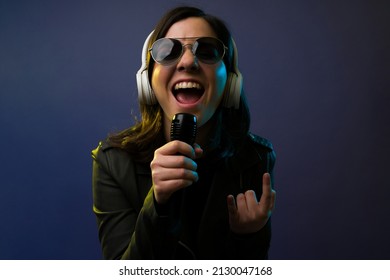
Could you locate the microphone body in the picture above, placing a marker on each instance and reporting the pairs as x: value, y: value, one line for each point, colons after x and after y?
x: 184, y: 128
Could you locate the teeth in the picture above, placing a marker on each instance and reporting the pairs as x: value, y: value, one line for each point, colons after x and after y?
x: 184, y: 85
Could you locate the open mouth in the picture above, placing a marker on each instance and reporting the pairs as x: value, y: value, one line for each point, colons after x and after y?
x: 188, y: 92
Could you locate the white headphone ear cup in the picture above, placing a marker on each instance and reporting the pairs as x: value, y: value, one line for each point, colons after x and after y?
x: 233, y: 90
x: 233, y: 86
x: 148, y: 91
x: 145, y: 91
x: 140, y: 89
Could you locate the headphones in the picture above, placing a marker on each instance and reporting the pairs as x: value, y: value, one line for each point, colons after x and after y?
x: 233, y: 85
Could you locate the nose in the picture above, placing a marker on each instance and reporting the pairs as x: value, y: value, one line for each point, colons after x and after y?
x: 188, y: 60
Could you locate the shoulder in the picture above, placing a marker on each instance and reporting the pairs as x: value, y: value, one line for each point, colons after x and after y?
x: 104, y: 148
x: 109, y: 156
x: 260, y: 149
x: 264, y: 150
x: 117, y: 161
x: 260, y: 142
x: 253, y: 150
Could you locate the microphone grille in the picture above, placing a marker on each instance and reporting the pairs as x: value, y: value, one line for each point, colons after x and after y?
x: 184, y: 128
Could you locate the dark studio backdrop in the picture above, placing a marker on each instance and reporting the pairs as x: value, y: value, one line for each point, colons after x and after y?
x: 316, y: 75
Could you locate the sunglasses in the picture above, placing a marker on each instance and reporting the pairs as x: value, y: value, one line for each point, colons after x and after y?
x: 166, y: 51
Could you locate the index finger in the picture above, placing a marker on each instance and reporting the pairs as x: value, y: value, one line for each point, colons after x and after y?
x: 267, y: 199
x: 177, y: 147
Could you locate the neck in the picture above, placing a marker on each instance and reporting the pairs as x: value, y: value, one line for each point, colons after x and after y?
x: 208, y: 136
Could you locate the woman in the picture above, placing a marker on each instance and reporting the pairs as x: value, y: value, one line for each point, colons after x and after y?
x: 161, y: 199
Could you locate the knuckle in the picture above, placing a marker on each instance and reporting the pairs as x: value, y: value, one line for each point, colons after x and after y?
x: 180, y: 183
x: 182, y: 173
x: 175, y: 144
x: 180, y: 161
x: 155, y: 162
x: 250, y: 194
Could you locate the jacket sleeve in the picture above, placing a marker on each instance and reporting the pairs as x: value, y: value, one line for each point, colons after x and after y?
x: 255, y: 245
x: 129, y: 227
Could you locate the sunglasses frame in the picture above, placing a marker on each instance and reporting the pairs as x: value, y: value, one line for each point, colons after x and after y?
x: 194, y: 47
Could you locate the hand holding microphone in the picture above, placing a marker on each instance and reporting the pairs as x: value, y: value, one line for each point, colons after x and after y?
x: 173, y: 166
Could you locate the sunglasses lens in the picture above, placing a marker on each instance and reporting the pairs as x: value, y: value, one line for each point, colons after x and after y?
x: 209, y: 50
x: 166, y: 51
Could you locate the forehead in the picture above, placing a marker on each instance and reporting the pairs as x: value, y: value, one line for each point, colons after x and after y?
x: 191, y: 27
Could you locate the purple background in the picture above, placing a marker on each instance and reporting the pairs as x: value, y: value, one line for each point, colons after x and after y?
x: 317, y: 78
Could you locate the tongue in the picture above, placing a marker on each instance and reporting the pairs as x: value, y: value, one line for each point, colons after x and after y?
x: 188, y: 97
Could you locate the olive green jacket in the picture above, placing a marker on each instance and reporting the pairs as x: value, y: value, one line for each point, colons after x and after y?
x: 132, y: 226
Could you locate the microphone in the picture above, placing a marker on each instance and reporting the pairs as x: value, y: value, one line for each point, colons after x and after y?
x: 183, y: 128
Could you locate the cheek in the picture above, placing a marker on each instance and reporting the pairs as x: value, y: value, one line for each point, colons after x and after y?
x: 220, y: 76
x: 159, y: 82
x: 156, y: 78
